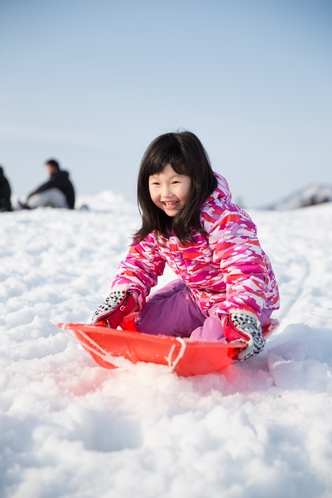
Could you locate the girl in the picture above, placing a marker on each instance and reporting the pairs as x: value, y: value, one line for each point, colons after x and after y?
x: 226, y: 287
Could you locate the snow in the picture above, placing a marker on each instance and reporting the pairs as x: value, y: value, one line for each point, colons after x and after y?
x: 308, y: 196
x: 69, y: 428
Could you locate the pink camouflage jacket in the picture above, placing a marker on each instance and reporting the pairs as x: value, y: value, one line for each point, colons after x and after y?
x: 226, y: 266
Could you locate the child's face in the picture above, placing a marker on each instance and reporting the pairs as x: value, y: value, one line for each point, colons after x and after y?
x: 169, y: 191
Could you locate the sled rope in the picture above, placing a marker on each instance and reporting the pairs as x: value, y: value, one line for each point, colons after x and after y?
x: 94, y: 347
x: 168, y: 358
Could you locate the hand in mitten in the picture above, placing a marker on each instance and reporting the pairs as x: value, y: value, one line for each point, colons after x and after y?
x: 118, y: 304
x: 244, y: 326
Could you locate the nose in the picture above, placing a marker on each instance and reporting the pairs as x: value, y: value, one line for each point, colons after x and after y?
x: 166, y: 191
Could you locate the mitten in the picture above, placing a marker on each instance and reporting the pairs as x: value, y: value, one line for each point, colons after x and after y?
x: 118, y: 304
x: 244, y: 326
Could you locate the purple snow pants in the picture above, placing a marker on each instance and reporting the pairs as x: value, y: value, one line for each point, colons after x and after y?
x: 173, y: 311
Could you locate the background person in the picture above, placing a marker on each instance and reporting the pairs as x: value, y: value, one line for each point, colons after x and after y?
x: 57, y: 192
x: 5, y: 193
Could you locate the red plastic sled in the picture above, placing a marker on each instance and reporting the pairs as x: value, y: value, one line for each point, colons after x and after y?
x: 184, y: 356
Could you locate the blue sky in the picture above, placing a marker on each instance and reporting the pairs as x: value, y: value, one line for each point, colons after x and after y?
x: 92, y: 83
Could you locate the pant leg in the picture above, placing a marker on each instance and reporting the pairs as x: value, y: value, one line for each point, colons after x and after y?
x: 170, y: 311
x: 52, y: 197
x: 212, y: 330
x: 265, y: 316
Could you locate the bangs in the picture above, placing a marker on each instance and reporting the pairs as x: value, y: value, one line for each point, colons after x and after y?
x: 158, y: 163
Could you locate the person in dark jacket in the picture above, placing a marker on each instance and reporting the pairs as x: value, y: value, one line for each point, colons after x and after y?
x: 57, y: 192
x: 5, y: 193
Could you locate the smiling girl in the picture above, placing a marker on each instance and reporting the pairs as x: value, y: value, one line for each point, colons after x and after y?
x: 226, y: 288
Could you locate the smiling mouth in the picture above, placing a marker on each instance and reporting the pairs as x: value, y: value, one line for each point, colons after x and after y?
x: 170, y: 205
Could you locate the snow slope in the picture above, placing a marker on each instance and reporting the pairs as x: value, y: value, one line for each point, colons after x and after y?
x: 69, y: 428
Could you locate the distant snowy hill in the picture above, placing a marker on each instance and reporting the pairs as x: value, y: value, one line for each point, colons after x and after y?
x: 308, y: 196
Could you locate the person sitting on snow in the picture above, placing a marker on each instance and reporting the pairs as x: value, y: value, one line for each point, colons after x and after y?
x: 57, y: 192
x: 226, y: 288
x: 5, y: 193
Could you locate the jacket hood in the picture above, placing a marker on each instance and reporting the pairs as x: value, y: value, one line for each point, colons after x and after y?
x: 222, y: 193
x: 61, y: 174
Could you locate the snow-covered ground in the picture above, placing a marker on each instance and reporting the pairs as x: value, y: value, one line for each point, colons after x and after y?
x: 68, y: 428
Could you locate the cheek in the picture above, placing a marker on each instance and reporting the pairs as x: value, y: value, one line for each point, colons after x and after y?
x: 153, y: 195
x: 187, y: 190
x: 186, y: 193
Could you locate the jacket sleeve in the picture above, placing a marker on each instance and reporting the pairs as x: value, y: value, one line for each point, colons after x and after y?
x: 236, y: 249
x: 57, y: 181
x: 45, y: 186
x: 141, y: 268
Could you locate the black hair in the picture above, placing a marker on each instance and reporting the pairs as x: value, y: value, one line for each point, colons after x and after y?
x: 187, y: 156
x: 53, y: 163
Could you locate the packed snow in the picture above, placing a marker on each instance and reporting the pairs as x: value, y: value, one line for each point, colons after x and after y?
x: 69, y: 428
